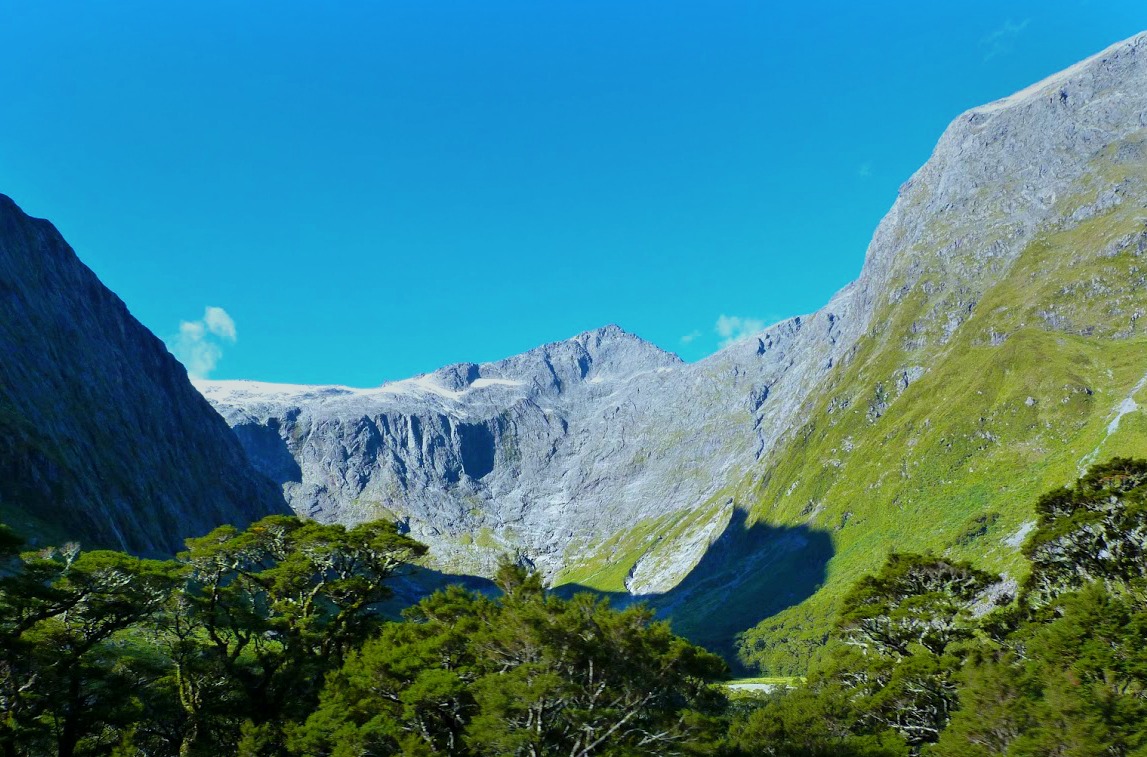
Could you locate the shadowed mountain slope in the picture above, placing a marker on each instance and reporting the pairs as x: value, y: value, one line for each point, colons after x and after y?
x: 102, y: 437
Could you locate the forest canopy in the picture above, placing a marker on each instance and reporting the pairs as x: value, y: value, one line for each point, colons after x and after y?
x: 269, y: 641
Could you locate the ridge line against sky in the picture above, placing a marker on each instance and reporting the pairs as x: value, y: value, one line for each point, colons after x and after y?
x: 359, y: 194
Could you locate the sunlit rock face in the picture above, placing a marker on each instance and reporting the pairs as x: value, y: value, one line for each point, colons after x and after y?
x: 561, y: 446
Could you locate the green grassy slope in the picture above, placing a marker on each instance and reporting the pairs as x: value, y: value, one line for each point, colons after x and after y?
x: 1040, y: 380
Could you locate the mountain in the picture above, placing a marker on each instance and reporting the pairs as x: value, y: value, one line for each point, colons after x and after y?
x: 989, y: 350
x: 547, y: 454
x: 1001, y: 349
x: 102, y: 437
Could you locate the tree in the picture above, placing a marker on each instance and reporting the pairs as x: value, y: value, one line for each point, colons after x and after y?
x: 1075, y: 684
x: 899, y: 642
x: 406, y: 691
x: 1095, y: 530
x: 528, y: 674
x: 64, y: 678
x: 266, y: 613
x: 575, y: 677
x: 913, y: 600
x: 1068, y: 675
x: 814, y: 721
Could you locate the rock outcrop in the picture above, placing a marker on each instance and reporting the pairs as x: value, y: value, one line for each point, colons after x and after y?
x: 545, y: 454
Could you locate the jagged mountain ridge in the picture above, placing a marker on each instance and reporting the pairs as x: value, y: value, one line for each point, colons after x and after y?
x: 545, y: 453
x: 990, y: 346
x: 102, y: 437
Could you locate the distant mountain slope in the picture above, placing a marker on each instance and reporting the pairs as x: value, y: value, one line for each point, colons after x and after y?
x: 1005, y: 349
x: 102, y: 437
x: 545, y: 454
x: 992, y: 345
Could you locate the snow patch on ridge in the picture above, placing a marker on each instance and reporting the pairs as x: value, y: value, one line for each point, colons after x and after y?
x: 485, y: 382
x: 242, y: 390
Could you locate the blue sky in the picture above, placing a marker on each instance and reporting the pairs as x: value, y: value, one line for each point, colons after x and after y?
x: 360, y: 191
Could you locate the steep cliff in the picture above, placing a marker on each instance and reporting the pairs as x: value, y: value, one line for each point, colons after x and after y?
x: 102, y: 437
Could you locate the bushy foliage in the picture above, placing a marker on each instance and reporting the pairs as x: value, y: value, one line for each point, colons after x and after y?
x: 101, y: 652
x: 1076, y: 685
x: 885, y: 684
x: 527, y: 674
x: 268, y: 641
x: 930, y: 657
x: 1093, y: 531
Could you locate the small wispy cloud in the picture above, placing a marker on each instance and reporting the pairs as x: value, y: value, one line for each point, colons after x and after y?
x: 691, y: 337
x: 219, y: 323
x: 1001, y: 41
x: 199, y: 345
x: 734, y: 328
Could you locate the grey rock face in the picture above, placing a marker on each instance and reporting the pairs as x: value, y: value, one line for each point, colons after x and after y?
x: 540, y: 454
x: 999, y: 174
x: 102, y: 437
x: 571, y: 443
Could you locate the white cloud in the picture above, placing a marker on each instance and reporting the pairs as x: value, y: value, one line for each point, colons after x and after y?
x: 199, y: 345
x: 734, y: 328
x: 219, y: 323
x: 999, y: 41
x: 691, y: 336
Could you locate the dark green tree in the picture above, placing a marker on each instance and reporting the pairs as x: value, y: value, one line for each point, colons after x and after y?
x: 266, y: 613
x: 1095, y: 530
x: 68, y: 677
x: 810, y: 721
x: 1067, y: 672
x: 914, y: 601
x: 1075, y: 685
x: 885, y: 683
x: 528, y: 674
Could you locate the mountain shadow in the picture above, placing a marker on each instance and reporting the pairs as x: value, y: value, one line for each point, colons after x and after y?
x: 749, y: 573
x: 416, y: 582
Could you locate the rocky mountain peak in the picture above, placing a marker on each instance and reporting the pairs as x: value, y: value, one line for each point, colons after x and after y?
x: 999, y: 173
x: 596, y: 356
x: 457, y: 377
